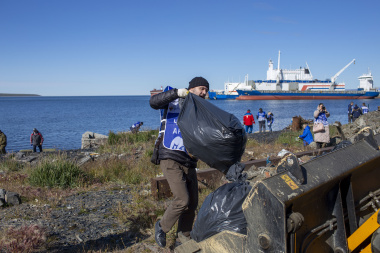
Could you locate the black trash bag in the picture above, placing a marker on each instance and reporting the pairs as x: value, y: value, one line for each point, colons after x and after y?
x: 211, y: 134
x: 235, y: 173
x: 222, y: 210
x: 342, y: 144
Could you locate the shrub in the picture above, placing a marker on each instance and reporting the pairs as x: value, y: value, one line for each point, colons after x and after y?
x: 130, y: 138
x: 10, y: 165
x: 114, y: 170
x: 22, y: 239
x: 58, y: 173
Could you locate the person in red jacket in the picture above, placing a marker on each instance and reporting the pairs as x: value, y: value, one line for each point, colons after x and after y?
x: 248, y: 121
x: 36, y: 140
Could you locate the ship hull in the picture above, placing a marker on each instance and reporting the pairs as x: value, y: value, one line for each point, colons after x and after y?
x: 257, y: 95
x: 214, y: 95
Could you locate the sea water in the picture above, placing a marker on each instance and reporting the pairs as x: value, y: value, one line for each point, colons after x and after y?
x: 63, y: 120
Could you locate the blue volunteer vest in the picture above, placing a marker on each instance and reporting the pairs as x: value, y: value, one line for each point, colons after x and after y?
x: 172, y: 135
x: 261, y: 116
x: 321, y: 119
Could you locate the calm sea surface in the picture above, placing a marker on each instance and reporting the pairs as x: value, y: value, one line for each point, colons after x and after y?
x: 63, y: 120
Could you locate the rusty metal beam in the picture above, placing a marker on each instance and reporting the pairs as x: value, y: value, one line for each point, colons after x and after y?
x: 210, y: 177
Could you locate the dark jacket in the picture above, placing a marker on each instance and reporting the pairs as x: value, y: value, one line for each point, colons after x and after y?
x: 356, y: 112
x: 350, y: 108
x: 161, y: 101
x: 3, y: 139
x: 36, y: 139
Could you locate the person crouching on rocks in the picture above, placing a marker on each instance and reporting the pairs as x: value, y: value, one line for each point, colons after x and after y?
x: 136, y: 127
x: 36, y: 140
x: 306, y: 136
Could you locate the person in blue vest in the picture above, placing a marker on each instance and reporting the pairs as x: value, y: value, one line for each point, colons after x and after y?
x: 306, y: 136
x: 136, y: 127
x: 261, y: 116
x: 176, y: 164
x: 270, y: 120
x: 350, y: 106
x: 365, y: 109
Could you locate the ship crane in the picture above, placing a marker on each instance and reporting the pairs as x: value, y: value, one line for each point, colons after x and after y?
x: 333, y: 79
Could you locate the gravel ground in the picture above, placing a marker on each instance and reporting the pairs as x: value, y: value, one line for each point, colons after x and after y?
x: 267, y: 137
x: 84, y: 221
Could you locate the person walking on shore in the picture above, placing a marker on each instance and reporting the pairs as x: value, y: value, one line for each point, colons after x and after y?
x: 350, y: 106
x: 261, y: 116
x: 249, y: 120
x: 320, y: 117
x: 365, y: 109
x: 136, y: 127
x: 176, y: 164
x: 3, y: 142
x: 270, y: 120
x: 356, y: 112
x: 36, y: 140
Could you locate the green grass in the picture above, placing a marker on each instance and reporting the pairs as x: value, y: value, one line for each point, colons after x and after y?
x: 290, y: 138
x: 57, y: 173
x: 127, y: 142
x: 130, y: 138
x: 11, y: 165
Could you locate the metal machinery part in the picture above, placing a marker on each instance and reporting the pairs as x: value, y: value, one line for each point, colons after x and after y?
x: 314, y: 207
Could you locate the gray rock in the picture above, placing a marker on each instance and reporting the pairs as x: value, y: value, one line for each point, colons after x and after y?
x: 2, y: 193
x: 2, y: 197
x: 93, y: 140
x: 83, y: 160
x: 313, y: 145
x: 12, y: 198
x: 19, y: 155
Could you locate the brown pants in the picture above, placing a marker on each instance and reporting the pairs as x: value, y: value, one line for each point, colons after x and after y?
x: 184, y: 186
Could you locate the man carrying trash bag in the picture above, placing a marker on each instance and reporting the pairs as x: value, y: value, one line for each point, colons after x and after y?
x: 176, y: 164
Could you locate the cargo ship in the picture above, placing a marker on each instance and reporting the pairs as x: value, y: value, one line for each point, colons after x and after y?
x: 155, y: 91
x: 283, y: 84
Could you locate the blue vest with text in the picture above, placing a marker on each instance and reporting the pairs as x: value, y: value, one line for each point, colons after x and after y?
x: 172, y: 135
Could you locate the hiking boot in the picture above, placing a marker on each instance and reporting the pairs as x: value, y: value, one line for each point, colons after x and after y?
x: 159, y: 235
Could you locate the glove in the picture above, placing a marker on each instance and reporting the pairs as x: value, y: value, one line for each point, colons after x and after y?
x: 182, y: 93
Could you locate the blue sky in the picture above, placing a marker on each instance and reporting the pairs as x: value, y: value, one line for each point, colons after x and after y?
x: 122, y: 47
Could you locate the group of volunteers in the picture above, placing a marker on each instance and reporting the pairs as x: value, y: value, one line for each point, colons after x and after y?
x: 36, y: 140
x: 321, y: 125
x: 261, y: 117
x: 179, y: 167
x: 354, y: 112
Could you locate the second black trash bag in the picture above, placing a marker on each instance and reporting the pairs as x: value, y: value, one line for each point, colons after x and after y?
x: 211, y: 134
x: 222, y: 210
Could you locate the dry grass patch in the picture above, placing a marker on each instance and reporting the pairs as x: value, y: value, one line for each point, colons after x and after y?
x: 27, y: 238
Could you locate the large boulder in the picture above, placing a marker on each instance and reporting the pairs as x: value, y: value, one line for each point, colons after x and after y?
x: 12, y: 198
x: 93, y: 140
x: 2, y: 197
x: 371, y: 119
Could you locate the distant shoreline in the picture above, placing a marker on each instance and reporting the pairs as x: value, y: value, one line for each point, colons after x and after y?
x: 18, y: 95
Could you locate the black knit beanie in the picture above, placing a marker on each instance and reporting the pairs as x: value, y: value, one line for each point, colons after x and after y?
x: 198, y: 81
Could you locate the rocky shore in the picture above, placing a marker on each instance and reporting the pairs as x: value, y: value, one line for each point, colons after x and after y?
x: 87, y: 220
